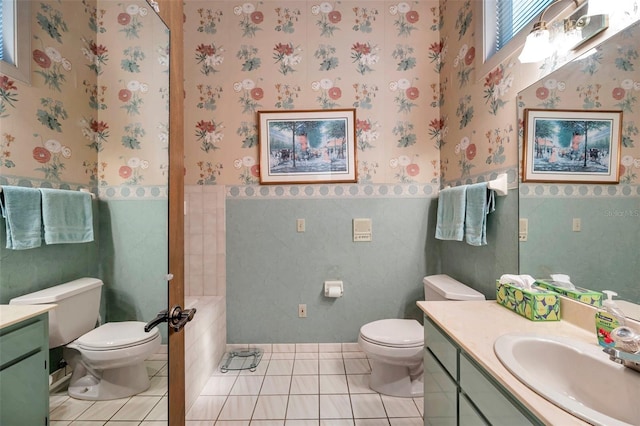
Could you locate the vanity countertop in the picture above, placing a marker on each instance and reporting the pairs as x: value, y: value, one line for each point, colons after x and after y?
x: 475, y: 325
x: 12, y: 314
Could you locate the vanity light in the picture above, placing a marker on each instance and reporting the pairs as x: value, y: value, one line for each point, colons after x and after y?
x: 537, y: 46
x: 577, y: 29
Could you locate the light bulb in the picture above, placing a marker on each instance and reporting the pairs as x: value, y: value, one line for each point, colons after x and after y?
x: 536, y: 47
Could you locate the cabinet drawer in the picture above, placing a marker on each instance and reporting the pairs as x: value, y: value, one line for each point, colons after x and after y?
x: 16, y: 343
x: 443, y: 349
x: 496, y: 407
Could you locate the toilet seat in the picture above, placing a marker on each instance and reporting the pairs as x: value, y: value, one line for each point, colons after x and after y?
x: 116, y: 335
x: 394, y: 333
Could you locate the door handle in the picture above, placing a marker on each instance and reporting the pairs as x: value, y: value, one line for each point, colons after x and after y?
x: 176, y: 317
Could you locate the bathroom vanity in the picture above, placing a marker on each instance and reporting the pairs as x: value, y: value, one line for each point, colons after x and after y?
x: 466, y: 384
x: 24, y: 369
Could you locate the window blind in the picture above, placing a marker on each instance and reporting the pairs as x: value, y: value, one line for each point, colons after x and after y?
x: 1, y: 31
x: 513, y: 15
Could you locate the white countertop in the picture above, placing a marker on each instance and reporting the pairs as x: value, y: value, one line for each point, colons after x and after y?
x: 12, y: 314
x: 475, y: 325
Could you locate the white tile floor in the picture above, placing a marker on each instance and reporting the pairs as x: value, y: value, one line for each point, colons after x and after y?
x: 302, y: 385
x: 146, y: 409
x: 295, y: 385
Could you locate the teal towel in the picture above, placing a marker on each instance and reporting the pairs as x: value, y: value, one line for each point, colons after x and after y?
x: 451, y: 211
x: 67, y: 216
x: 480, y: 201
x: 23, y: 217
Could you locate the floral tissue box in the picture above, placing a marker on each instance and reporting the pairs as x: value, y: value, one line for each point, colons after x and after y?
x: 536, y: 304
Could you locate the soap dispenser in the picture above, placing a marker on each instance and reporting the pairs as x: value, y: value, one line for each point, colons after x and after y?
x: 608, y: 318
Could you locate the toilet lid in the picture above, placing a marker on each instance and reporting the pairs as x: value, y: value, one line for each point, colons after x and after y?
x: 116, y: 335
x: 402, y: 333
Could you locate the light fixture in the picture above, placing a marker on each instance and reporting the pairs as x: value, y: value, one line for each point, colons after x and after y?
x: 538, y: 44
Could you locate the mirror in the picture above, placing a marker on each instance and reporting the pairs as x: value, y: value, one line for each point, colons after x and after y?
x: 95, y: 116
x: 589, y: 231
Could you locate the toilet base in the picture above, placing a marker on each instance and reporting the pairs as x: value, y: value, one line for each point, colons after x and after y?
x: 108, y: 384
x: 396, y: 380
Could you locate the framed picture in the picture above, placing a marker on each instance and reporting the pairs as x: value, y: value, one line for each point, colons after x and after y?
x: 307, y: 146
x: 572, y: 146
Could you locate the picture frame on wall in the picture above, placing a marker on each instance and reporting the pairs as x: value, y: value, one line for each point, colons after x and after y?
x: 307, y: 146
x: 571, y: 146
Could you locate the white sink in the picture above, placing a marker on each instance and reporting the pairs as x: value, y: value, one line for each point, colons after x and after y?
x: 576, y: 376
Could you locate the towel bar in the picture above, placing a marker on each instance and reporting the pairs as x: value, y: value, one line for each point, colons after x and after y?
x: 93, y: 196
x: 498, y: 184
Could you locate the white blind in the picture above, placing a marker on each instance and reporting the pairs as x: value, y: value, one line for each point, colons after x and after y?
x: 1, y: 31
x: 514, y: 15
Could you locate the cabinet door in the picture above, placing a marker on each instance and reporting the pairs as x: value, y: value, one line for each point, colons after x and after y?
x: 496, y: 407
x: 441, y: 347
x: 22, y: 400
x: 468, y: 414
x: 440, y: 393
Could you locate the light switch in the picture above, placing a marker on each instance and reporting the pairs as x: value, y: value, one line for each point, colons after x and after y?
x: 577, y: 224
x: 300, y: 225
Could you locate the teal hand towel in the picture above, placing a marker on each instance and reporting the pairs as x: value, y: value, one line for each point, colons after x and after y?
x: 451, y: 212
x: 67, y: 216
x: 22, y: 212
x: 479, y: 202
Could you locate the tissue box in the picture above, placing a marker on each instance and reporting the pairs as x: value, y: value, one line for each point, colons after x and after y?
x: 590, y: 297
x: 537, y: 304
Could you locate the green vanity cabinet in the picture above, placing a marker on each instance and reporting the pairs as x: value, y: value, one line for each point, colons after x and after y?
x: 24, y: 374
x: 477, y: 398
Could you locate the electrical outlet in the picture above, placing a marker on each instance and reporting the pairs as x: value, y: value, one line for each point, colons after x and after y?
x: 523, y: 229
x: 302, y: 310
x: 300, y: 225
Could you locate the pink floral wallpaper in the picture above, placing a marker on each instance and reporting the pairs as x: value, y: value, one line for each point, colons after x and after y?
x: 381, y: 57
x: 479, y: 112
x: 95, y: 113
x: 608, y: 79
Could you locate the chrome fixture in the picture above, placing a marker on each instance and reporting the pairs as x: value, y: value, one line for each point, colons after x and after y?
x: 176, y: 317
x: 545, y: 39
x: 627, y: 348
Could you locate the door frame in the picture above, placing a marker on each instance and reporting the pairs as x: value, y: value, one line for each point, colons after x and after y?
x: 171, y: 11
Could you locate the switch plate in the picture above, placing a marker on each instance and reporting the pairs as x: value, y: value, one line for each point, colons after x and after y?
x: 302, y: 310
x: 362, y: 230
x: 300, y: 225
x: 577, y: 224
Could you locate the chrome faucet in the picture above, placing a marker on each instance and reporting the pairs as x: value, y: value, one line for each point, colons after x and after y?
x: 627, y: 348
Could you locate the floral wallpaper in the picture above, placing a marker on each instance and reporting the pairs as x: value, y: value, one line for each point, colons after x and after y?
x: 609, y: 79
x: 479, y: 112
x: 95, y: 113
x: 381, y: 57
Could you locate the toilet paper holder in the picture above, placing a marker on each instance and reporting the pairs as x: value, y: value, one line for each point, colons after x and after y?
x: 333, y: 289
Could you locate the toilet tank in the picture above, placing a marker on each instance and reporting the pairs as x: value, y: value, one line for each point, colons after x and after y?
x: 77, y: 310
x: 443, y: 287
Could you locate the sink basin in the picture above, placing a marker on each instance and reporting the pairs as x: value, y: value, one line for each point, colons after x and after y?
x: 576, y: 376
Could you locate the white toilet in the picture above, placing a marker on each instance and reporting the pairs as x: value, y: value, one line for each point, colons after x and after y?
x: 108, y: 361
x: 395, y: 346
